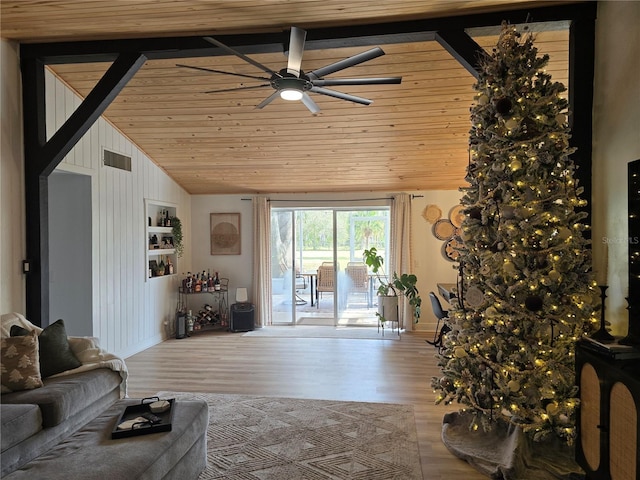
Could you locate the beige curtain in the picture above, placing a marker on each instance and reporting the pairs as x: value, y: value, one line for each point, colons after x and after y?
x: 400, y: 249
x: 262, y: 260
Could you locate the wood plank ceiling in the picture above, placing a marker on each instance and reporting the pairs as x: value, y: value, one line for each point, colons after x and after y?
x: 413, y: 137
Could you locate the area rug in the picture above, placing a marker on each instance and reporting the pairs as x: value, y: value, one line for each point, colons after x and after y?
x: 268, y: 438
x: 309, y: 331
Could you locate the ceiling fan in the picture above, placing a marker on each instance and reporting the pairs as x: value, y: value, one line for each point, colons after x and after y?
x: 292, y: 83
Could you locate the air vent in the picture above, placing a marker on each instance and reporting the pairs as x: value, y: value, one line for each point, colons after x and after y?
x: 116, y: 160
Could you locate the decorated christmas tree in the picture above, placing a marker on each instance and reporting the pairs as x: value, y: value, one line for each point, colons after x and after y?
x: 525, y: 282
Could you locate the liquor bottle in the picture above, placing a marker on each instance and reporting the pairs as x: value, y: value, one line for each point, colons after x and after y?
x: 169, y: 266
x: 167, y: 220
x: 216, y: 282
x: 198, y: 284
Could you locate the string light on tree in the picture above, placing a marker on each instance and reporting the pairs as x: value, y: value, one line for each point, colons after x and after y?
x: 528, y: 292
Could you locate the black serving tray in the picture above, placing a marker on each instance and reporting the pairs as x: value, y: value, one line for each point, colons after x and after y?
x: 133, y: 411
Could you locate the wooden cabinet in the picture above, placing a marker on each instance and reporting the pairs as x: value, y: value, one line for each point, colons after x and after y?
x: 159, y: 239
x: 609, y: 380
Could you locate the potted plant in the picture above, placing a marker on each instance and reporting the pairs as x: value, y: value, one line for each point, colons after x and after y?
x: 390, y: 290
x: 176, y: 231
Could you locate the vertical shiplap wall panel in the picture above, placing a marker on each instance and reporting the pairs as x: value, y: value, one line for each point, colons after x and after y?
x: 130, y: 312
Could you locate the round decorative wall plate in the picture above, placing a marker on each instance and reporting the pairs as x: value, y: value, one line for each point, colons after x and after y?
x: 456, y: 215
x: 451, y: 248
x: 431, y: 213
x: 443, y: 229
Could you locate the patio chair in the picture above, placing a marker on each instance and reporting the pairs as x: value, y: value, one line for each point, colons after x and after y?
x: 301, y: 284
x: 325, y: 280
x: 358, y: 274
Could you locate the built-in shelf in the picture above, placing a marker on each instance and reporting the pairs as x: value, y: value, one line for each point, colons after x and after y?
x: 159, y: 239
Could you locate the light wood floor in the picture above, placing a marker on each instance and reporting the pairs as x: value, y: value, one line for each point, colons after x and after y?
x: 396, y: 371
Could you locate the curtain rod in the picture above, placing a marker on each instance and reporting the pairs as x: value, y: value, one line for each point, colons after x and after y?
x: 333, y: 200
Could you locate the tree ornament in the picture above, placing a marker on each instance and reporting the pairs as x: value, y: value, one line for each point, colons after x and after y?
x: 483, y: 99
x: 564, y: 233
x: 475, y: 213
x: 508, y: 212
x: 512, y: 124
x: 554, y: 275
x: 460, y: 352
x: 503, y: 106
x: 513, y: 385
x: 491, y: 312
x: 515, y: 165
x: 474, y: 297
x: 509, y: 268
x: 533, y: 303
x: 551, y: 408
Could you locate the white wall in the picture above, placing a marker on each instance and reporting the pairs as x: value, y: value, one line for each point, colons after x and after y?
x: 429, y: 263
x: 616, y: 142
x: 12, y: 230
x: 130, y: 313
x: 237, y: 268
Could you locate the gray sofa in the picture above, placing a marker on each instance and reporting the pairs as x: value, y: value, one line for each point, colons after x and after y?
x: 34, y: 421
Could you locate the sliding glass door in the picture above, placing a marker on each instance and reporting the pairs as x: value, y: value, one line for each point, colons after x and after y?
x: 318, y: 276
x: 357, y: 230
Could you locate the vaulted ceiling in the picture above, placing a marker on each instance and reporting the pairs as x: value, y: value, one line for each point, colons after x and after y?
x: 412, y: 137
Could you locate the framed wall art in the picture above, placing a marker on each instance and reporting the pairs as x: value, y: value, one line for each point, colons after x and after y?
x: 225, y: 234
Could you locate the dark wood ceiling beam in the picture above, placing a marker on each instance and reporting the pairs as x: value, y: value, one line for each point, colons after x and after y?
x: 463, y: 48
x: 105, y: 91
x: 317, y: 38
x: 42, y: 157
x: 582, y: 34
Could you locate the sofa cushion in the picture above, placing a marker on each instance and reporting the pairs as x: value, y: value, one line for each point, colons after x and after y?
x: 19, y: 422
x: 55, y: 354
x: 19, y: 363
x: 64, y: 396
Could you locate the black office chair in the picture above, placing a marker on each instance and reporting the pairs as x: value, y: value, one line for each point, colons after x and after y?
x: 441, y: 315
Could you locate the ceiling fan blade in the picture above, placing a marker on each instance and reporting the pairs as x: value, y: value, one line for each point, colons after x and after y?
x: 346, y: 63
x: 309, y: 103
x: 268, y: 100
x: 321, y: 82
x: 296, y: 49
x: 251, y: 87
x: 342, y: 96
x: 241, y: 55
x: 220, y: 71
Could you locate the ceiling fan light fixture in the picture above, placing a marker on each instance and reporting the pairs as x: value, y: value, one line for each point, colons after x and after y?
x: 291, y: 94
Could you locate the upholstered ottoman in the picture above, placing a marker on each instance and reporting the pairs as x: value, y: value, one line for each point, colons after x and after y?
x: 91, y: 453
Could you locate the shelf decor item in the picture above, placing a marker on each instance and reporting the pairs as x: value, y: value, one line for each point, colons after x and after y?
x: 176, y: 231
x: 225, y: 234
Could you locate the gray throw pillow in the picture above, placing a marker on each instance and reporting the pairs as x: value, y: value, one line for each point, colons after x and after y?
x: 56, y: 355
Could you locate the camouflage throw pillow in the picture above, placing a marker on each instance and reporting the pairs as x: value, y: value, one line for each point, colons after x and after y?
x: 20, y: 363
